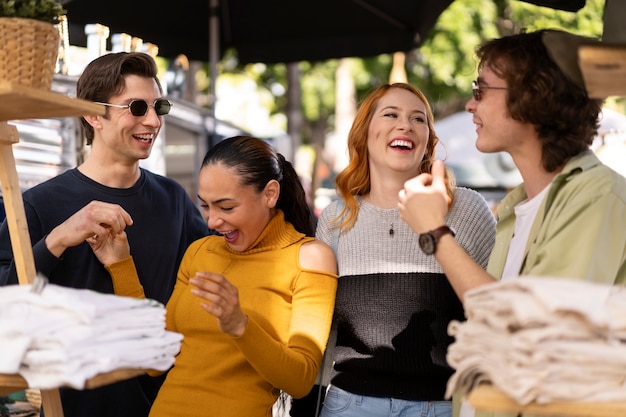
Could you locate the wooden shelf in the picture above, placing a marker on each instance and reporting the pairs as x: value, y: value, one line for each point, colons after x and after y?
x: 19, y: 102
x: 489, y: 398
x: 14, y: 382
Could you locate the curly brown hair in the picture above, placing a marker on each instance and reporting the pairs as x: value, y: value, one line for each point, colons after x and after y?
x: 565, y: 118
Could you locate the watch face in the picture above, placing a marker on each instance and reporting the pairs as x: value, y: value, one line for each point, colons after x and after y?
x: 427, y: 243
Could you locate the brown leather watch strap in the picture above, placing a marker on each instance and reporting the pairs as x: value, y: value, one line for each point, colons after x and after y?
x: 442, y: 230
x: 428, y: 241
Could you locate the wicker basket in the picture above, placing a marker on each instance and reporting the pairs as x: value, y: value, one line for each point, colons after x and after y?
x: 28, y: 51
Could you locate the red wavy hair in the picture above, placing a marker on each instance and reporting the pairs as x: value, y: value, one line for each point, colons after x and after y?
x: 355, y: 178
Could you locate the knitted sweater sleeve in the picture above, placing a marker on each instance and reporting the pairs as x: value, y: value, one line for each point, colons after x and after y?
x: 125, y: 278
x: 293, y: 367
x: 474, y: 223
x: 324, y: 231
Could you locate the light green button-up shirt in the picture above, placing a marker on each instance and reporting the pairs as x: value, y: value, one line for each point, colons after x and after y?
x: 580, y: 229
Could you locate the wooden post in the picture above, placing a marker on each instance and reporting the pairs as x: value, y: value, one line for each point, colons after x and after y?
x: 20, y: 237
x: 21, y: 102
x: 14, y: 206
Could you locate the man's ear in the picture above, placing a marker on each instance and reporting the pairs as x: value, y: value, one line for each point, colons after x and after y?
x: 271, y: 192
x: 94, y: 121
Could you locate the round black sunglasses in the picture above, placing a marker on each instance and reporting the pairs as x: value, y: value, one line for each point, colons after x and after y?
x: 140, y: 107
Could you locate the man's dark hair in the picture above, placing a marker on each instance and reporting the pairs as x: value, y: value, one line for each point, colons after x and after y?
x: 103, y: 78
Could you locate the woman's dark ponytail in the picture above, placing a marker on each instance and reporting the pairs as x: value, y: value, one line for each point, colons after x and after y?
x: 292, y: 199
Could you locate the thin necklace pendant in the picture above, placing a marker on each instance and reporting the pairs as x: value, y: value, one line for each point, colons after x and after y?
x: 391, y: 232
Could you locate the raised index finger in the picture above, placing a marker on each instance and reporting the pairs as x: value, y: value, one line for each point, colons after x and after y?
x: 438, y: 172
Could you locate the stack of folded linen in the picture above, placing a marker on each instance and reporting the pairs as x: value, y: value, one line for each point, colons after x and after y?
x: 64, y: 336
x: 543, y: 340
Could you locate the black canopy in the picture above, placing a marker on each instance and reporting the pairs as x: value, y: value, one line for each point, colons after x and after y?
x: 270, y: 31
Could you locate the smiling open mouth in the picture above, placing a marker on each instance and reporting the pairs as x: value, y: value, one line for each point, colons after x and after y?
x: 402, y: 144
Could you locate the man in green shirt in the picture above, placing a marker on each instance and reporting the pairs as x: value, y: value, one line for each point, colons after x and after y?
x: 568, y: 217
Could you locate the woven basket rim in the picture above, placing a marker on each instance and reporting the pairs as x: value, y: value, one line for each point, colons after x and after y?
x: 28, y: 51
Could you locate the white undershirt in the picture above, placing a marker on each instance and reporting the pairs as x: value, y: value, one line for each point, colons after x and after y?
x: 525, y: 213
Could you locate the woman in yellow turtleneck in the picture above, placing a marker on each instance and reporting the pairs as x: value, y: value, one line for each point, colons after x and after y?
x: 255, y: 303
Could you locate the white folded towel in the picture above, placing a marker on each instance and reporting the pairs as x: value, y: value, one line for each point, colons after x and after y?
x: 64, y: 336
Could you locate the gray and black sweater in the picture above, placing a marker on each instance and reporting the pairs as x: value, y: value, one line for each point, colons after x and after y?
x: 394, y: 303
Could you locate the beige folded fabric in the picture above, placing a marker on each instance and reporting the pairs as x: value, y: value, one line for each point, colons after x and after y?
x: 543, y: 340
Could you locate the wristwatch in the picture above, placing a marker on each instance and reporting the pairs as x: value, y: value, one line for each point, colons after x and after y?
x: 428, y: 241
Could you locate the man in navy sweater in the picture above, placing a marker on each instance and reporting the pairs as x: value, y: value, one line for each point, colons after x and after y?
x: 109, y: 193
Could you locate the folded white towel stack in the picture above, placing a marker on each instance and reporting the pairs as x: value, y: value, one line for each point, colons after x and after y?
x: 542, y: 339
x: 64, y: 336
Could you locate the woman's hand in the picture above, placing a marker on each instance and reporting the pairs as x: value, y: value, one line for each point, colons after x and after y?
x: 221, y: 300
x: 110, y: 247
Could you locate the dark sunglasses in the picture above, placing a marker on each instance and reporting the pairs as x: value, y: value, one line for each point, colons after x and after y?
x: 477, y: 90
x: 140, y: 107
